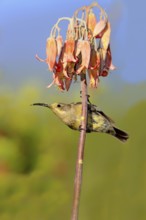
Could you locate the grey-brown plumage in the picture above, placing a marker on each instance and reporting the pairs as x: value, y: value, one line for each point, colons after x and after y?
x: 98, y: 121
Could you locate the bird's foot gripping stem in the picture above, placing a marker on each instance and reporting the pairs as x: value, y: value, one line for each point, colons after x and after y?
x: 88, y: 96
x: 82, y: 129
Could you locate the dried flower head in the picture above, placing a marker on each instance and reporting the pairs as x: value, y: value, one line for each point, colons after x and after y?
x: 85, y: 49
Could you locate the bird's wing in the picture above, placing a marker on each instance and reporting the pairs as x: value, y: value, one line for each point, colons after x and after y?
x: 95, y: 109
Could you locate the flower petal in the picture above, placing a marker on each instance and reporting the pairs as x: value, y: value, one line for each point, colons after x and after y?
x: 108, y: 61
x: 85, y: 52
x: 39, y: 59
x: 69, y: 50
x: 51, y: 52
x: 70, y: 68
x: 78, y: 48
x: 94, y: 60
x: 91, y: 21
x: 59, y: 80
x: 68, y: 83
x: 59, y: 41
x: 64, y: 71
x: 106, y: 64
x: 51, y: 84
x: 58, y: 67
x: 105, y: 40
x: 99, y: 27
x: 102, y: 62
x: 93, y: 76
x: 105, y: 72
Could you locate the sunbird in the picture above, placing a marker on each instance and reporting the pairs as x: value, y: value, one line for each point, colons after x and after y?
x: 97, y: 120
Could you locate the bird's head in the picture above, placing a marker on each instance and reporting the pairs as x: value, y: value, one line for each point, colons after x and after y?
x: 60, y: 109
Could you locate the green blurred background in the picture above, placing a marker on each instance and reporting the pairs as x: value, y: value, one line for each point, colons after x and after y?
x: 38, y: 152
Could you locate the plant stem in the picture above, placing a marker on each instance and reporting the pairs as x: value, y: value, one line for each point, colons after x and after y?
x: 80, y: 156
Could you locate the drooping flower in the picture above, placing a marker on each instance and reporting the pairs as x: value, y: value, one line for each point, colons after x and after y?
x: 108, y: 65
x: 105, y: 39
x: 91, y: 21
x: 99, y: 28
x: 59, y: 41
x: 64, y: 62
x: 93, y: 70
x: 94, y: 77
x: 59, y: 80
x: 69, y: 50
x: 86, y: 48
x: 78, y: 48
x: 94, y: 60
x: 51, y: 53
x: 85, y: 55
x: 68, y: 82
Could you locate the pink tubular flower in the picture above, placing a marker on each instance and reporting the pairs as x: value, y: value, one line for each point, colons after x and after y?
x: 85, y: 55
x: 59, y: 80
x: 59, y: 41
x: 51, y: 52
x: 68, y: 83
x: 94, y: 77
x: 99, y: 29
x: 105, y: 39
x: 91, y: 21
x: 108, y: 65
x: 93, y: 70
x: 94, y: 60
x: 69, y: 51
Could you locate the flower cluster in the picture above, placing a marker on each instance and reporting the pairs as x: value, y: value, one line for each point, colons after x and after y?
x: 85, y: 49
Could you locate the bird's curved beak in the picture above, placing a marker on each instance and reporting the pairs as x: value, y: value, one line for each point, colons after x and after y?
x: 42, y: 104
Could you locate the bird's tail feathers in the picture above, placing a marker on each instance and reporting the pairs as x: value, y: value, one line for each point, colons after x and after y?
x: 121, y: 135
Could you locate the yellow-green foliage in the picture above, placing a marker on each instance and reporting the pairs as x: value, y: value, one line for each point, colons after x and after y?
x: 37, y: 163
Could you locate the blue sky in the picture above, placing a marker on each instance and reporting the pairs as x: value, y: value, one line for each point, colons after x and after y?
x: 25, y: 25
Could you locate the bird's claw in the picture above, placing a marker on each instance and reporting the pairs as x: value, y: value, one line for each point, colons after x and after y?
x: 81, y: 129
x: 88, y: 96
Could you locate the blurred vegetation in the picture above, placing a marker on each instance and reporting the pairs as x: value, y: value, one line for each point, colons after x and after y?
x: 38, y: 154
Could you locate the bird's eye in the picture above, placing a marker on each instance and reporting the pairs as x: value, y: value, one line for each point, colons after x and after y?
x: 58, y: 105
